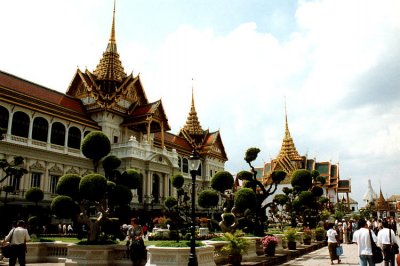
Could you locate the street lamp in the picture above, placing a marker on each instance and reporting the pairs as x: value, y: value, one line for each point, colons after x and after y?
x: 194, y: 163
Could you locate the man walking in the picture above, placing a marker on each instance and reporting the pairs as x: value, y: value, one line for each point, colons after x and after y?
x: 362, y: 238
x: 386, y: 237
x: 18, y: 238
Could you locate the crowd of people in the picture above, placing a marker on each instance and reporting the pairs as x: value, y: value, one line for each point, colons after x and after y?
x: 383, y: 232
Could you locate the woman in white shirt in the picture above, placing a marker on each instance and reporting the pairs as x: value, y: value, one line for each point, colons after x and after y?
x: 333, y: 243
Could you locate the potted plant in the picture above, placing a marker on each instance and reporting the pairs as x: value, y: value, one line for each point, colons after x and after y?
x: 319, y: 233
x: 291, y: 236
x: 236, y: 246
x: 269, y: 243
x: 307, y: 235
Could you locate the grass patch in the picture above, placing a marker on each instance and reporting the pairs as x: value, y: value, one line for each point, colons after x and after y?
x: 172, y: 243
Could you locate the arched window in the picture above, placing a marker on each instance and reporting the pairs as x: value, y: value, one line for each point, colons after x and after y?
x: 40, y: 129
x: 185, y: 165
x: 20, y: 125
x: 4, y: 116
x: 74, y: 138
x: 57, y: 134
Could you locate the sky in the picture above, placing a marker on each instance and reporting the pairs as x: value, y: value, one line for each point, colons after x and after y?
x: 335, y: 63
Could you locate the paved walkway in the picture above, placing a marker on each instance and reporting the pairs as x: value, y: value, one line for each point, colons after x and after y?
x: 321, y: 257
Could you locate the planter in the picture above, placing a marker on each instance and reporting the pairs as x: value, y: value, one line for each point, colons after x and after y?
x: 91, y: 255
x: 291, y: 245
x: 307, y: 241
x: 235, y: 259
x: 168, y: 256
x: 270, y: 250
x: 319, y: 238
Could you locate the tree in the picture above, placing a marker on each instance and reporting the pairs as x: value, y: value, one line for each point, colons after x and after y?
x: 35, y: 195
x: 95, y: 146
x: 221, y: 182
x: 13, y: 169
x: 262, y: 192
x: 108, y: 195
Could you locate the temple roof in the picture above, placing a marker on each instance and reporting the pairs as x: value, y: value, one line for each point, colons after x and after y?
x: 24, y: 93
x: 288, y: 148
x: 110, y: 67
x: 192, y: 125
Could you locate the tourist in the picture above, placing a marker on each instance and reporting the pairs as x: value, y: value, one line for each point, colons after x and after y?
x: 345, y: 239
x: 136, y: 244
x: 386, y: 237
x: 362, y: 238
x: 18, y: 237
x: 333, y: 242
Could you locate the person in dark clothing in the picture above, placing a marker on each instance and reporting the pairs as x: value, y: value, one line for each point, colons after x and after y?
x: 137, y: 248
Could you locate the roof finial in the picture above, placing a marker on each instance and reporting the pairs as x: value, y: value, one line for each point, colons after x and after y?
x: 112, y: 43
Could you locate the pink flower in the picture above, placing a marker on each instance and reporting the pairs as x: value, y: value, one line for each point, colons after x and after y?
x: 269, y: 240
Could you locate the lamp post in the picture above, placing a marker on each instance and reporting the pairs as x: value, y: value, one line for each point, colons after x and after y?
x: 194, y: 163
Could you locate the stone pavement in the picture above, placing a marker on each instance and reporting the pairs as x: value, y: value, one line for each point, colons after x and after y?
x: 321, y: 257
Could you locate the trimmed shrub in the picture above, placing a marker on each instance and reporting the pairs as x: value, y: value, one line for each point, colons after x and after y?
x: 208, y: 198
x: 120, y: 195
x: 222, y: 181
x: 130, y: 178
x: 301, y: 180
x: 95, y: 145
x: 93, y: 187
x: 64, y: 207
x: 69, y: 185
x: 177, y: 181
x: 245, y: 198
x: 170, y: 202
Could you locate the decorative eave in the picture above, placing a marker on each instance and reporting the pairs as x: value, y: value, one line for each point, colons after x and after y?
x: 213, y: 146
x: 152, y: 113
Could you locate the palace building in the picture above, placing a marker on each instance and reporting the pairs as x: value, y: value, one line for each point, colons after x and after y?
x: 289, y: 160
x: 46, y: 128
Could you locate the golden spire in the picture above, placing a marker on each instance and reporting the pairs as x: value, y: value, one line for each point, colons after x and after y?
x: 192, y: 123
x: 288, y: 148
x: 110, y: 67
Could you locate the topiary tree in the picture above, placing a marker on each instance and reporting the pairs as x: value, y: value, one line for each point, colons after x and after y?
x: 177, y: 181
x: 95, y: 146
x: 170, y: 202
x: 110, y: 164
x: 261, y: 191
x: 35, y: 195
x: 109, y: 194
x: 208, y: 199
x: 13, y: 169
x: 301, y: 180
x: 221, y: 182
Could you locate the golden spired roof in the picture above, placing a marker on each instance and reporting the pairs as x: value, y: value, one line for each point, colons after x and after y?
x: 110, y: 67
x: 288, y: 148
x: 192, y: 125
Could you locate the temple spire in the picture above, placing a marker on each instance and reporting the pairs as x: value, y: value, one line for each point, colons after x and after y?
x: 288, y: 148
x: 110, y: 67
x: 192, y: 123
x: 112, y: 45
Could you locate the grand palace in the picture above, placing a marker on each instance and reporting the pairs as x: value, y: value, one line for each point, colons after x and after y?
x: 46, y: 128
